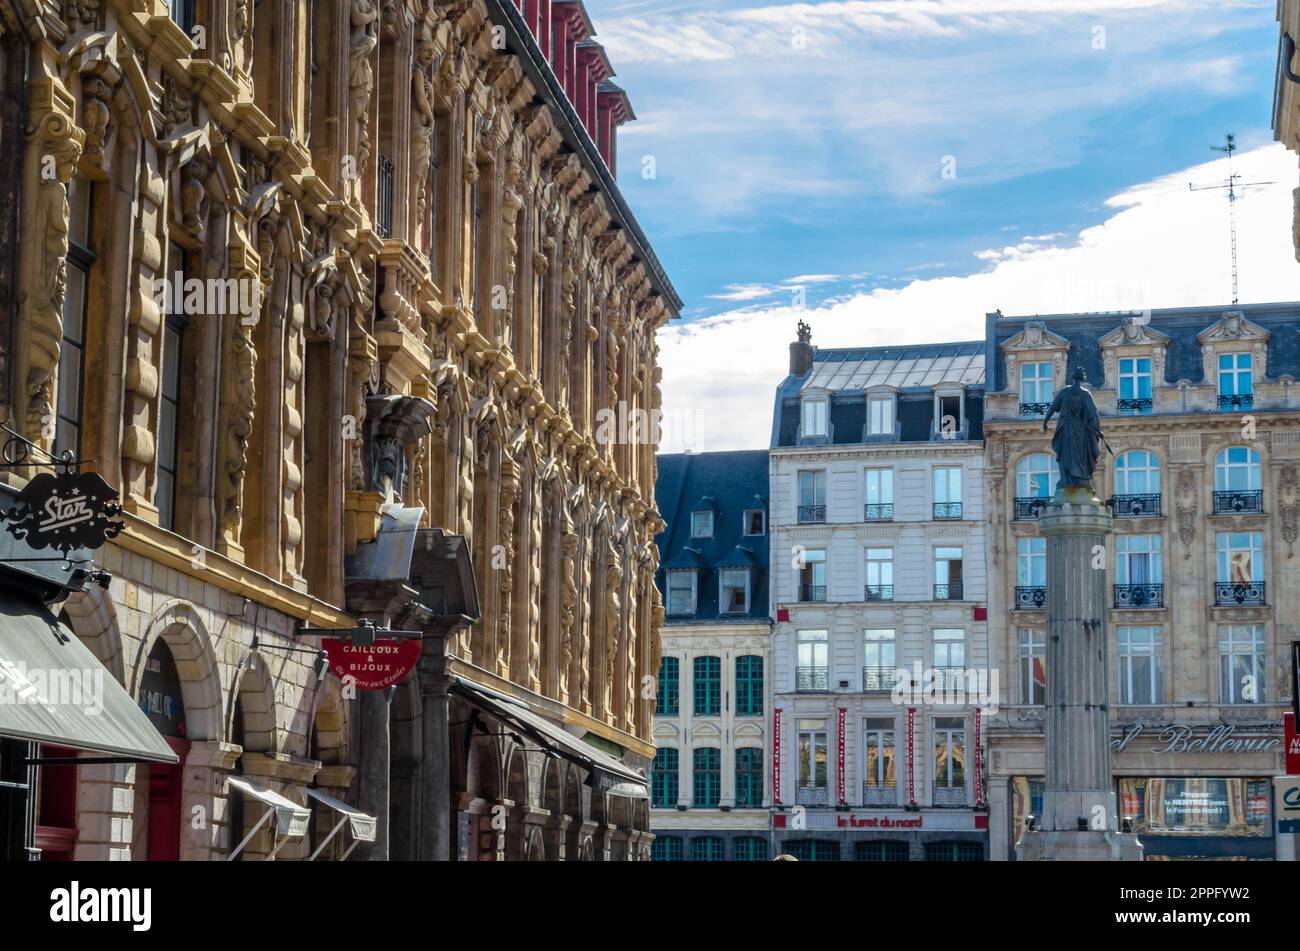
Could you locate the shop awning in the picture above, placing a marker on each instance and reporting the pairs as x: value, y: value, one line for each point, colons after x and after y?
x: 53, y: 689
x: 606, y: 773
x: 291, y: 819
x: 361, y: 825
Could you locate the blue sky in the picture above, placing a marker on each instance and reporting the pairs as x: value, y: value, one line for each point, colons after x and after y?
x: 912, y: 164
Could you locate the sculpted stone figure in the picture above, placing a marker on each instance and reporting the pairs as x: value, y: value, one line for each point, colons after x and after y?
x: 1078, y: 432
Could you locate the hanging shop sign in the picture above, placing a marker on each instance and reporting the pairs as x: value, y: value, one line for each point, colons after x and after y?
x: 1292, y: 744
x: 376, y: 666
x: 64, y: 511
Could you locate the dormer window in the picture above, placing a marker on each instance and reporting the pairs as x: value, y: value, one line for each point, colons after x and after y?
x: 735, y: 590
x: 815, y: 414
x: 701, y: 525
x: 1134, y: 386
x: 1035, y: 389
x: 1236, y: 381
x: 949, y: 414
x: 755, y: 522
x: 681, y: 592
x: 880, y: 415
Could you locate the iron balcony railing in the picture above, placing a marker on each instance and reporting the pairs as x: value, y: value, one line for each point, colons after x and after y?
x: 812, y: 513
x: 1139, y: 595
x: 1030, y: 597
x: 879, y: 795
x: 878, y: 512
x: 812, y: 592
x: 1235, y: 593
x: 1239, y: 502
x: 812, y: 796
x: 945, y: 795
x: 1034, y: 409
x: 812, y: 678
x: 948, y: 592
x: 880, y: 592
x: 1030, y: 506
x: 945, y: 510
x: 1134, y: 407
x: 1237, y: 401
x: 879, y: 678
x: 1135, y: 506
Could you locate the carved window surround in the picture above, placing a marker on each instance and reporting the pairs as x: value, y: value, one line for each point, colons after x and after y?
x: 1233, y: 333
x: 1034, y: 344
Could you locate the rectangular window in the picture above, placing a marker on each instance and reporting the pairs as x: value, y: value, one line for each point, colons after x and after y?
x: 182, y: 14
x: 1031, y: 561
x: 668, y: 697
x: 947, y: 492
x: 949, y: 646
x: 878, y: 495
x: 707, y: 686
x: 173, y: 337
x: 1241, y: 557
x: 1135, y: 385
x: 755, y: 522
x: 734, y: 584
x: 880, y: 416
x: 749, y: 686
x: 1141, y: 665
x: 663, y: 779
x: 812, y: 764
x: 1241, y: 663
x: 880, y: 574
x: 948, y: 414
x: 701, y: 525
x: 1033, y: 665
x: 681, y: 592
x: 707, y: 777
x: 749, y: 777
x: 879, y: 660
x: 812, y: 495
x: 1138, y: 559
x: 72, y: 354
x: 1235, y: 374
x: 949, y: 755
x: 948, y: 574
x: 814, y: 417
x: 812, y: 576
x: 812, y: 659
x: 878, y: 771
x: 1035, y: 388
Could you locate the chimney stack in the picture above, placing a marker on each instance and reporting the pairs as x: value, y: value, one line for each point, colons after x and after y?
x: 801, y: 352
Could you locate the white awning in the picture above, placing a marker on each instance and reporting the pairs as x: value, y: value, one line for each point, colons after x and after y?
x: 361, y: 826
x: 290, y: 818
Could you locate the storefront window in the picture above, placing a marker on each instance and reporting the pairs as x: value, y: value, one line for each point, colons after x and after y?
x: 1197, y: 805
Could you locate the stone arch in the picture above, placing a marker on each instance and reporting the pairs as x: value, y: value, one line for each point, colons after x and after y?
x: 329, y: 724
x: 253, y: 692
x: 517, y: 789
x: 93, y: 618
x: 534, y: 847
x: 553, y: 800
x: 181, y: 627
x: 483, y: 773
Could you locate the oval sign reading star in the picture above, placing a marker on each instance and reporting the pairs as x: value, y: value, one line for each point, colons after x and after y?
x: 64, y: 511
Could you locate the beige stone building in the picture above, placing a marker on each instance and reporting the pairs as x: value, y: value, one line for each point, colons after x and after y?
x: 1202, y: 418
x: 401, y: 278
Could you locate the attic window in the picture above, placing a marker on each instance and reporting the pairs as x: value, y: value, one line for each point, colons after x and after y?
x: 681, y: 592
x: 755, y: 522
x: 701, y: 525
x: 880, y: 416
x: 814, y: 416
x: 735, y: 591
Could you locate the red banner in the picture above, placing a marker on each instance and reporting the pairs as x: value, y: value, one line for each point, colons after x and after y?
x: 377, y: 667
x: 840, y: 761
x: 776, y: 756
x: 979, y: 763
x: 1292, y: 743
x: 911, y: 755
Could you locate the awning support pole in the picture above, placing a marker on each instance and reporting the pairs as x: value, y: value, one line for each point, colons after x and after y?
x: 333, y: 832
x: 355, y: 843
x: 281, y: 840
x: 251, y: 832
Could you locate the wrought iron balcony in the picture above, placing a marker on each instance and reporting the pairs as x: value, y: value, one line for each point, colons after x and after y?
x: 1234, y: 593
x: 1031, y: 506
x: 1239, y: 502
x: 880, y: 592
x: 1135, y: 506
x: 812, y: 678
x: 879, y: 795
x: 1139, y: 595
x: 1031, y: 410
x: 878, y: 512
x: 1237, y: 401
x: 948, y: 592
x: 812, y: 796
x: 1134, y: 407
x: 945, y: 510
x: 1030, y: 597
x: 812, y: 513
x: 878, y: 678
x: 812, y: 592
x: 950, y: 795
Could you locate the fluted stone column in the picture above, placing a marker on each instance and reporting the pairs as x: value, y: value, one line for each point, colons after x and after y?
x: 1080, y: 819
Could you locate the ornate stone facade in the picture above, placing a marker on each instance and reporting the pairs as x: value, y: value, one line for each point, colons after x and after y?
x: 413, y: 213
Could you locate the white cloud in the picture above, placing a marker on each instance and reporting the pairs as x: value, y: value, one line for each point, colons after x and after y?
x: 1163, y: 246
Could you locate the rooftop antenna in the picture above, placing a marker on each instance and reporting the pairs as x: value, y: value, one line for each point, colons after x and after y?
x: 1232, y: 184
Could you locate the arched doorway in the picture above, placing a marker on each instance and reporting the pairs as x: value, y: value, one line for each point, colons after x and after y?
x: 162, y: 700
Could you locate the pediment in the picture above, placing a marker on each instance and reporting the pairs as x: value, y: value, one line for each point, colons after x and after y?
x: 1036, y: 336
x: 1232, y: 326
x: 1134, y: 333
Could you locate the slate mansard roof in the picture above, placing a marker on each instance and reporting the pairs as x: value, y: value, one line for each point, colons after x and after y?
x: 915, y: 371
x: 1181, y: 324
x: 728, y: 483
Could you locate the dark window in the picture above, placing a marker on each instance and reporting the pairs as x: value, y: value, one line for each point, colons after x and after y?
x: 169, y: 417
x: 954, y: 852
x: 706, y: 848
x: 385, y: 209
x: 666, y: 848
x: 72, y: 355
x: 708, y: 686
x: 666, y: 700
x: 813, y: 850
x: 882, y: 851
x: 749, y: 777
x: 663, y: 778
x: 182, y: 14
x: 749, y: 686
x: 707, y: 778
x: 750, y: 848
